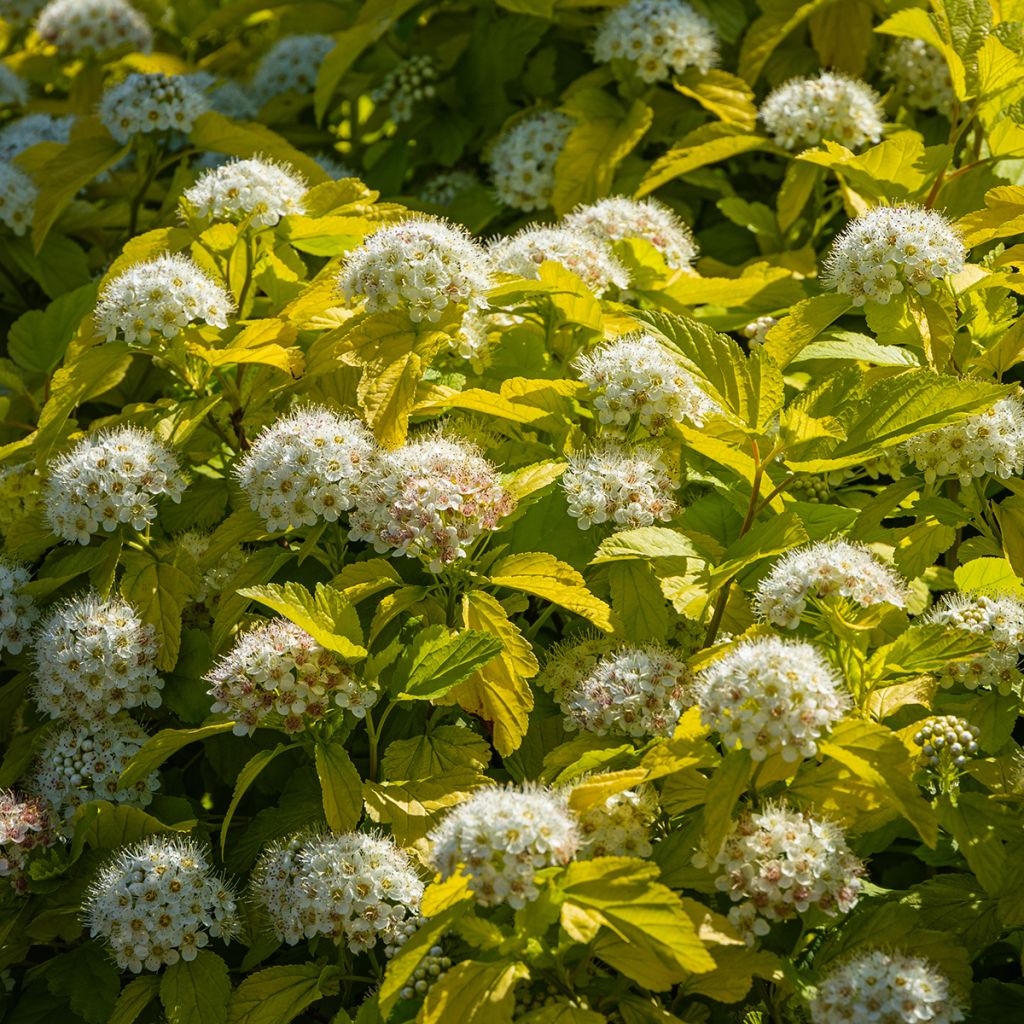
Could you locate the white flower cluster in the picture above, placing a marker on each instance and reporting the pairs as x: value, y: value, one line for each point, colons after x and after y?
x: 404, y: 86
x: 771, y: 696
x: 277, y: 675
x: 589, y: 258
x: 947, y: 737
x: 890, y: 987
x: 500, y: 837
x: 17, y: 198
x: 821, y: 571
x: 778, y: 862
x: 226, y: 97
x: 990, y: 443
x: 523, y: 159
x: 157, y: 298
x: 804, y: 111
x: 17, y: 609
x: 628, y: 487
x: 290, y: 65
x: 25, y: 826
x: 84, y: 761
x: 756, y: 331
x: 111, y: 478
x: 636, y: 691
x: 145, y: 103
x: 20, y: 12
x: 922, y: 74
x: 635, y: 375
x: 890, y: 248
x: 661, y: 37
x: 619, y: 826
x: 353, y: 887
x: 310, y: 465
x: 258, y: 191
x: 445, y: 186
x: 570, y: 661
x: 617, y: 218
x: 430, y: 499
x: 159, y: 902
x: 13, y: 88
x: 421, y: 265
x: 94, y: 658
x: 210, y: 582
x: 998, y: 619
x: 30, y: 130
x: 83, y: 26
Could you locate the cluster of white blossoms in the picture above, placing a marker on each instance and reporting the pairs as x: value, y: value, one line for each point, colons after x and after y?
x: 661, y: 37
x: 777, y: 863
x: 430, y: 499
x: 589, y: 258
x: 210, y: 582
x: 94, y: 658
x: 771, y: 696
x: 159, y: 297
x: 444, y: 187
x: 25, y: 825
x: 890, y: 248
x: 500, y: 837
x: 406, y: 85
x: 84, y: 26
x: 756, y: 331
x: 922, y: 74
x: 421, y: 265
x: 833, y: 106
x: 353, y: 887
x: 17, y: 609
x: 618, y: 218
x: 256, y: 190
x: 619, y: 826
x: 17, y: 198
x: 290, y: 65
x: 990, y: 443
x: 828, y: 569
x: 628, y: 487
x: 523, y: 159
x: 20, y: 12
x: 111, y: 478
x: 30, y: 130
x: 84, y: 761
x: 635, y: 691
x: 309, y: 466
x: 635, y: 375
x: 158, y: 902
x: 145, y: 103
x: 885, y: 986
x: 277, y: 675
x: 999, y: 619
x: 13, y: 88
x: 225, y: 96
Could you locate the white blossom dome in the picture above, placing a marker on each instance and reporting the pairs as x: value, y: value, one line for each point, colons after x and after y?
x: 30, y: 130
x: 26, y: 825
x: 95, y: 657
x: 158, y: 298
x: 523, y: 159
x: 660, y: 37
x: 13, y: 88
x: 276, y: 675
x: 988, y: 444
x: 500, y: 837
x: 406, y: 85
x: 444, y: 187
x: 146, y: 103
x: 922, y: 74
x: 84, y: 26
x: 888, y: 986
x: 158, y: 902
x: 771, y: 696
x: 308, y: 467
x: 890, y: 248
x: 17, y: 609
x: 17, y: 198
x: 257, y: 190
x: 112, y: 478
x: 619, y: 826
x: 290, y: 65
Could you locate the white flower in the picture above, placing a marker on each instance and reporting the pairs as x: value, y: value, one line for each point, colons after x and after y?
x: 225, y: 96
x: 628, y: 487
x: 405, y: 86
x: 949, y: 738
x: 833, y: 106
x: 17, y: 609
x: 523, y: 159
x: 20, y: 12
x: 771, y: 696
x: 25, y: 825
x: 430, y: 499
x: 821, y: 571
x: 13, y: 88
x: 159, y: 297
x: 84, y: 761
x: 308, y: 467
x: 353, y: 887
x: 258, y: 191
x: 890, y: 248
x: 619, y: 826
x: 990, y: 443
x: 160, y: 901
x: 500, y: 837
x: 421, y: 265
x: 290, y: 65
x: 660, y: 37
x: 587, y: 257
x: 998, y: 619
x: 922, y: 74
x: 17, y: 198
x: 756, y: 331
x: 94, y: 658
x: 83, y: 26
x: 635, y: 691
x: 212, y: 580
x: 145, y: 103
x: 278, y: 676
x: 30, y: 130
x: 444, y: 187
x: 778, y: 862
x: 890, y: 987
x: 114, y: 477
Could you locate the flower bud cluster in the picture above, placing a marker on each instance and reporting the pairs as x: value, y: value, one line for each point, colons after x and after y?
x: 523, y: 159
x: 429, y: 969
x: 947, y: 737
x: 30, y: 130
x: 17, y: 609
x: 13, y: 88
x: 147, y: 103
x: 210, y: 583
x: 257, y: 190
x: 619, y: 826
x: 756, y: 331
x: 444, y: 187
x: 290, y: 65
x: 25, y: 826
x: 406, y: 85
x: 93, y: 26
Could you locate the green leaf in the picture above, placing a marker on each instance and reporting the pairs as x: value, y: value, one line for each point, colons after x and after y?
x: 768, y: 31
x: 1002, y: 217
x: 473, y: 993
x: 158, y: 748
x: 638, y: 601
x: 412, y: 808
x: 341, y: 786
x: 196, y: 991
x: 444, y: 749
x: 159, y: 592
x: 88, y: 980
x: 276, y: 995
x: 102, y: 825
x: 246, y: 777
x: 763, y: 540
x: 134, y: 998
x: 727, y: 784
x: 802, y: 324
x: 707, y: 145
x: 926, y: 648
x: 437, y: 660
x: 722, y: 94
x: 37, y: 339
x: 988, y: 576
